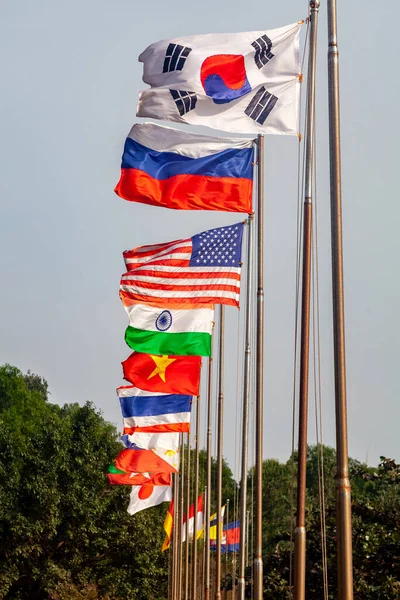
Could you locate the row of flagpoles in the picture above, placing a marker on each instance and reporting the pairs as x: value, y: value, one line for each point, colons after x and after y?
x: 246, y: 83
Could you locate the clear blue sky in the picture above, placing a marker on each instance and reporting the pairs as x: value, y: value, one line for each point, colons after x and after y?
x: 70, y: 82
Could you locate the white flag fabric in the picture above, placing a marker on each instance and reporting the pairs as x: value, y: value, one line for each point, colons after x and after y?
x: 242, y: 82
x: 152, y: 441
x: 146, y: 496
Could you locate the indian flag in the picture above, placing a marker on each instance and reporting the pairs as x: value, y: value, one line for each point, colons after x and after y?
x: 180, y: 332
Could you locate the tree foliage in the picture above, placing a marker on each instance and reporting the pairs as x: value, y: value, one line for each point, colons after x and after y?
x: 65, y: 532
x: 375, y: 527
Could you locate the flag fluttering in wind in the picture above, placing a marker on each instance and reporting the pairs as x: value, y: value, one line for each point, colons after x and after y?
x: 243, y: 82
x: 151, y: 441
x: 168, y: 526
x: 163, y: 331
x: 213, y: 524
x: 148, y: 495
x: 174, y: 169
x: 147, y: 412
x: 147, y: 461
x: 231, y: 537
x: 190, y: 525
x: 118, y: 477
x: 166, y: 374
x: 201, y: 270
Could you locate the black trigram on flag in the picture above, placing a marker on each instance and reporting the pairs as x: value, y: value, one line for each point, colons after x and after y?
x: 175, y: 57
x: 185, y: 101
x: 263, y: 55
x: 261, y: 105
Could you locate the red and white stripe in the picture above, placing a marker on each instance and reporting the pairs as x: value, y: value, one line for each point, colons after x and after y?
x: 162, y: 273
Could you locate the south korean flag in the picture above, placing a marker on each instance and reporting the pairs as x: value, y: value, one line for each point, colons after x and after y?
x: 243, y: 82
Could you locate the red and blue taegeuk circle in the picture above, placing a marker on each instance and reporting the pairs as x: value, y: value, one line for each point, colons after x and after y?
x: 224, y: 78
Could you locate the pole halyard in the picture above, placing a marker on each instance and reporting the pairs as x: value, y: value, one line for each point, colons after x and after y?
x: 196, y: 493
x: 208, y: 504
x: 300, y: 531
x: 187, y: 513
x: 257, y: 559
x: 220, y: 447
x: 343, y: 491
x: 245, y: 418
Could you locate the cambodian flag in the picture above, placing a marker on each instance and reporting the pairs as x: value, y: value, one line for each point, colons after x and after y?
x: 174, y: 169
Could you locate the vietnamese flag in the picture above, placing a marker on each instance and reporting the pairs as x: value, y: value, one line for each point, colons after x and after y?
x: 147, y: 461
x: 169, y: 374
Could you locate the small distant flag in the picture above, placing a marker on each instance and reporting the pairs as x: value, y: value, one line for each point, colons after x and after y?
x: 201, y: 270
x: 243, y: 82
x: 174, y: 331
x: 148, y: 495
x: 175, y: 169
x: 213, y: 525
x: 190, y: 525
x: 149, y: 413
x: 168, y: 526
x: 231, y: 538
x: 166, y: 374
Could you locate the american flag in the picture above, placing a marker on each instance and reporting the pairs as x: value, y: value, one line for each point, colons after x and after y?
x: 203, y: 269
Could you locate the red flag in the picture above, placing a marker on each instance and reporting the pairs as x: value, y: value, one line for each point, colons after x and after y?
x: 147, y: 461
x: 168, y: 374
x: 116, y: 477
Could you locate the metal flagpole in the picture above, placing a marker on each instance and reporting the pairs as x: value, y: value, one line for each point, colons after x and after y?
x: 343, y: 492
x: 245, y: 418
x: 300, y: 531
x: 196, y: 493
x: 257, y: 559
x: 208, y: 504
x: 219, y: 448
x: 188, y: 461
x: 203, y: 564
x: 175, y: 538
x: 226, y: 547
x: 182, y: 499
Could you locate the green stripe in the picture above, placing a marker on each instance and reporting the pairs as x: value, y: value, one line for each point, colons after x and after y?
x: 113, y: 469
x: 162, y: 342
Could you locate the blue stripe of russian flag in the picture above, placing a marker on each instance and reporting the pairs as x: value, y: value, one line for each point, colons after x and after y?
x: 233, y: 162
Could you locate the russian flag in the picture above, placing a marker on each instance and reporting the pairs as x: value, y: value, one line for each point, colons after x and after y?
x: 166, y: 167
x: 146, y: 412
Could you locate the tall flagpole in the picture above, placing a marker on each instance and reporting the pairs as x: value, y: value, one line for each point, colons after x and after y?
x: 175, y: 538
x: 196, y: 493
x: 245, y: 418
x: 187, y: 513
x: 203, y: 564
x: 300, y: 531
x: 181, y: 509
x: 219, y: 448
x: 226, y: 547
x: 343, y: 492
x: 208, y: 505
x: 257, y: 559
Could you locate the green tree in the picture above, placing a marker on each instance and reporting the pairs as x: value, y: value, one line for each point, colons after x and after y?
x: 65, y: 532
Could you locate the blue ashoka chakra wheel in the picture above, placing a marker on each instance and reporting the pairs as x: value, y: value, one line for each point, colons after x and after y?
x: 164, y: 321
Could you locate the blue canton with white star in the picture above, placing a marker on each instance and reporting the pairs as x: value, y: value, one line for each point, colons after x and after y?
x: 219, y: 247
